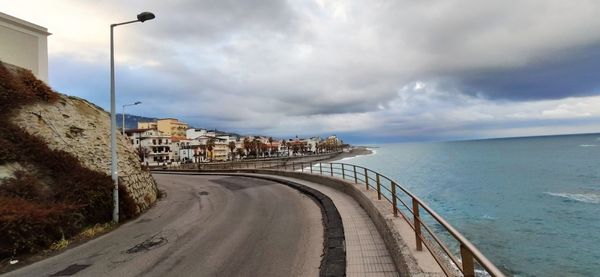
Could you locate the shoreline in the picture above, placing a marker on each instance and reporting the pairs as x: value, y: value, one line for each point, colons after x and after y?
x: 354, y: 152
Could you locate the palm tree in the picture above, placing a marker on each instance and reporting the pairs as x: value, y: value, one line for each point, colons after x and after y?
x: 210, y: 145
x: 240, y: 152
x: 201, y: 149
x: 232, y: 148
x: 247, y: 144
x: 283, y: 143
x: 256, y: 145
x: 142, y: 153
x: 271, y: 144
x: 295, y: 148
x: 264, y: 148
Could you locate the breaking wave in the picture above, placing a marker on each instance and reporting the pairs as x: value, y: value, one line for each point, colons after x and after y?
x: 593, y: 198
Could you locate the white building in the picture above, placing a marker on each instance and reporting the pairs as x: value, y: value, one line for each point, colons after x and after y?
x: 193, y: 133
x: 190, y: 150
x: 312, y: 143
x: 153, y: 146
x: 25, y: 45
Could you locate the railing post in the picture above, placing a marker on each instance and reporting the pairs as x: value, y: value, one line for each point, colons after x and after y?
x: 355, y: 179
x: 394, y: 201
x: 293, y: 166
x: 310, y: 167
x: 331, y: 168
x: 321, y: 168
x: 378, y: 187
x: 467, y: 261
x: 366, y: 179
x: 302, y: 166
x: 343, y: 172
x: 417, y: 224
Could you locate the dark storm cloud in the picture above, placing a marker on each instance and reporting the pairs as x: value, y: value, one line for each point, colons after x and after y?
x: 569, y: 73
x: 384, y: 69
x: 218, y: 19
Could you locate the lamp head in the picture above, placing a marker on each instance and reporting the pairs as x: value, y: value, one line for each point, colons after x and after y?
x: 145, y: 16
x: 137, y: 103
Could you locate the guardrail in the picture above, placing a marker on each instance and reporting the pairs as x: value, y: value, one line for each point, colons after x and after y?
x: 248, y: 163
x: 403, y: 203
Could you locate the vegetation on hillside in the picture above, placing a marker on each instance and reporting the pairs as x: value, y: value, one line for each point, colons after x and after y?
x: 51, y: 196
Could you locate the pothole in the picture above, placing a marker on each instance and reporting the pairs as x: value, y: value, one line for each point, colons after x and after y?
x: 147, y: 245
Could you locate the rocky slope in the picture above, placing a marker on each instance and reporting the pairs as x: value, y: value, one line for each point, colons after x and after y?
x: 82, y: 129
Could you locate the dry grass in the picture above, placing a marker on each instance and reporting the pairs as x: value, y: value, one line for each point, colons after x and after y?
x: 96, y: 230
x: 48, y: 207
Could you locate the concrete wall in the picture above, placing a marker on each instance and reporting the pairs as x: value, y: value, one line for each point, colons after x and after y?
x: 25, y: 45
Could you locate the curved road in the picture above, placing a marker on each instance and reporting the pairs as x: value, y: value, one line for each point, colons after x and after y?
x: 206, y: 226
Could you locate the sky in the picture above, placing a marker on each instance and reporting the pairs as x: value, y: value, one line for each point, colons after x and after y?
x: 367, y: 71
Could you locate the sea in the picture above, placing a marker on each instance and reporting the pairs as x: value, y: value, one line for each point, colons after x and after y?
x: 531, y: 204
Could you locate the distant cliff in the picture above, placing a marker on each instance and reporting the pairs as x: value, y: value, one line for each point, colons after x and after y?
x: 55, y: 166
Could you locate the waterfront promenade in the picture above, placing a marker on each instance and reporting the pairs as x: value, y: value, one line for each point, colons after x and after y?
x: 212, y: 225
x: 265, y: 221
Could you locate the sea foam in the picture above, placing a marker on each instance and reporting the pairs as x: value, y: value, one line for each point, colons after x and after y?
x: 593, y: 198
x: 587, y: 145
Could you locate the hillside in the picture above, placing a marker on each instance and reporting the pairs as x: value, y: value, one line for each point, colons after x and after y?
x: 55, y: 166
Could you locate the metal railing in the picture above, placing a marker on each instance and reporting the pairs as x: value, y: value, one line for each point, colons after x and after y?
x: 419, y: 216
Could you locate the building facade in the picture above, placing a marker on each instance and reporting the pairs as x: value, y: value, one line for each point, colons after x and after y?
x: 172, y: 127
x: 147, y: 125
x: 168, y: 126
x: 25, y: 45
x: 152, y: 146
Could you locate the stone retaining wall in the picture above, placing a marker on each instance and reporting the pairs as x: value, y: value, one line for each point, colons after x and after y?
x: 142, y: 188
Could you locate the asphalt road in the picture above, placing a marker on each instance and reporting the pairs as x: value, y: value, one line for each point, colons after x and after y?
x: 206, y: 226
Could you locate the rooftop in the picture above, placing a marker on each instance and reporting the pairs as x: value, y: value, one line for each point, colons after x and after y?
x: 23, y: 24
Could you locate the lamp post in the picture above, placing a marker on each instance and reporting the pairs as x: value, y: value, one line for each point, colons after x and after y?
x: 113, y: 118
x: 123, y: 114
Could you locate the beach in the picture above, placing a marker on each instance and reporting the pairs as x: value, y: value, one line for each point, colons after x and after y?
x: 355, y: 151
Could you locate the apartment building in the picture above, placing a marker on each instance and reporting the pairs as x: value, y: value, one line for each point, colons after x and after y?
x: 193, y: 133
x: 168, y: 126
x: 153, y: 146
x: 147, y: 125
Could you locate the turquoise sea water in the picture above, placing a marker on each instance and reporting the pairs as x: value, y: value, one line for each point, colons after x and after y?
x: 531, y: 205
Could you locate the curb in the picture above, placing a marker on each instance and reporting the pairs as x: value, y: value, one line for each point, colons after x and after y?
x: 334, y: 245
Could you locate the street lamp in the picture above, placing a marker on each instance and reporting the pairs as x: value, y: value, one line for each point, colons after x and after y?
x: 123, y: 113
x: 113, y: 118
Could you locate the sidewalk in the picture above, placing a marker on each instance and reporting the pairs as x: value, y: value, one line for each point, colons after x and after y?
x: 366, y: 253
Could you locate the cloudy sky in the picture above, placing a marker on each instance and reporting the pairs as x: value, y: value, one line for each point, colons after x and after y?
x: 369, y: 71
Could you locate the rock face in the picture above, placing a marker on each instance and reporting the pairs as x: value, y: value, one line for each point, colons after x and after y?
x: 83, y: 130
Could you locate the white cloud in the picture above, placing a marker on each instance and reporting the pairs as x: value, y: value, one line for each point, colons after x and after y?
x: 325, y: 66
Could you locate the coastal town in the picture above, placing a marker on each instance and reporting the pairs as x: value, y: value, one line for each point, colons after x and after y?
x: 169, y: 141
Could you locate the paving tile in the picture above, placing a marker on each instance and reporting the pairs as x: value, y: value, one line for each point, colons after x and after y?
x: 366, y: 254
